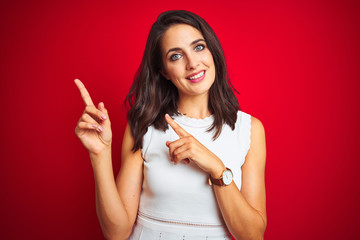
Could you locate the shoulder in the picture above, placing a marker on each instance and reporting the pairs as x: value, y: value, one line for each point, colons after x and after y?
x: 256, y: 157
x: 257, y: 139
x: 257, y: 127
x: 254, y: 123
x: 128, y: 140
x: 252, y: 133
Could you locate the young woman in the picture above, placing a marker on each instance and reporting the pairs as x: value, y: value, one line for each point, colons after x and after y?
x: 192, y: 163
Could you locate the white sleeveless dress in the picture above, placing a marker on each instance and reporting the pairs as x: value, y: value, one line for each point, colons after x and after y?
x: 176, y: 202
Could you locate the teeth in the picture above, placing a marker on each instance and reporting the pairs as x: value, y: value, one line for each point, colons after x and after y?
x: 197, y: 75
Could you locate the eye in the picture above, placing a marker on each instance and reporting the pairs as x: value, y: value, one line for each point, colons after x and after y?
x: 199, y: 47
x: 175, y: 57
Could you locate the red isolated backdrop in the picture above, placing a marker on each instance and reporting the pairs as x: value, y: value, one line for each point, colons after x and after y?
x: 295, y: 64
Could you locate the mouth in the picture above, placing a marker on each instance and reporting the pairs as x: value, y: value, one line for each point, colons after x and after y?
x: 196, y: 77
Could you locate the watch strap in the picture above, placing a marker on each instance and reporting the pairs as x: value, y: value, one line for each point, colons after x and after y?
x: 219, y: 181
x: 215, y: 181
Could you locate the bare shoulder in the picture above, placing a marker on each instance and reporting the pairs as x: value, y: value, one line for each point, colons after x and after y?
x: 129, y: 158
x: 128, y: 141
x: 257, y: 153
x: 257, y: 137
x: 257, y: 128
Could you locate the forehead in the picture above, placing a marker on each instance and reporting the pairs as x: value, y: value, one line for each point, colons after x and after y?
x: 180, y: 35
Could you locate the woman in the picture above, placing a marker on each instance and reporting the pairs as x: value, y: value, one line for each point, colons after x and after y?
x: 200, y: 178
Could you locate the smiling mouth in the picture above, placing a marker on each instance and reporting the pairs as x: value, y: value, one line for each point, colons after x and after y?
x: 196, y: 76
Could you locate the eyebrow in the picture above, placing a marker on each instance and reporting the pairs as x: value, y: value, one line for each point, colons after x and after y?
x: 178, y: 49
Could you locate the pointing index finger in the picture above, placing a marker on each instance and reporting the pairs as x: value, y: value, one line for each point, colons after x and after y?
x: 178, y: 130
x: 84, y: 93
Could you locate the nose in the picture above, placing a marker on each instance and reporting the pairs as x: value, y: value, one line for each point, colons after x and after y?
x: 192, y: 61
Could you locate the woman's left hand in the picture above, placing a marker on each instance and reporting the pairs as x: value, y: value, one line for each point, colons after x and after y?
x: 189, y: 148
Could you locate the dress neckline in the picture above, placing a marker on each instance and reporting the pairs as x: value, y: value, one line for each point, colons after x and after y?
x: 194, y: 122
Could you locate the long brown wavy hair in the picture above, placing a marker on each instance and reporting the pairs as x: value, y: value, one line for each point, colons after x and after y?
x: 152, y: 96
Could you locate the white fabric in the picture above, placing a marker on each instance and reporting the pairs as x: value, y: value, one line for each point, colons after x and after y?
x: 147, y: 229
x: 181, y: 193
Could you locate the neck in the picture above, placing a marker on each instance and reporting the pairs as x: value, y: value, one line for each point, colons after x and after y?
x: 194, y: 107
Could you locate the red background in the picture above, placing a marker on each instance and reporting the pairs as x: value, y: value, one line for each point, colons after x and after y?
x: 295, y: 63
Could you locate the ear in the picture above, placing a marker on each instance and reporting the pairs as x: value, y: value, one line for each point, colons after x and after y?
x: 164, y: 74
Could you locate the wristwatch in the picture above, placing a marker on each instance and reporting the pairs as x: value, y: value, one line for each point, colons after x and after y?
x: 225, y: 179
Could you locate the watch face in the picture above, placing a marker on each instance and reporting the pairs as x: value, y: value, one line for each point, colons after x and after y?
x: 227, y: 177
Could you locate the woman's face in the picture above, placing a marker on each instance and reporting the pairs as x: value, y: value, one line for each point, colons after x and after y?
x: 188, y: 62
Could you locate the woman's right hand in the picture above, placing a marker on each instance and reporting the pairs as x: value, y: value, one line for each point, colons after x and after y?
x: 93, y: 128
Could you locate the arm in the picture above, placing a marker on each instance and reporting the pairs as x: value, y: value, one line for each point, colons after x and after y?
x: 117, y: 202
x: 130, y: 178
x: 93, y: 129
x: 244, y: 212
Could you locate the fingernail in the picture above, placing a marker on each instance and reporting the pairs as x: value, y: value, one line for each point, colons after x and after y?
x: 103, y: 116
x: 100, y: 128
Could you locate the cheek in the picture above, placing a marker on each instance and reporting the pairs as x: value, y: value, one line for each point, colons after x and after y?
x: 208, y: 59
x: 174, y: 72
x: 209, y: 62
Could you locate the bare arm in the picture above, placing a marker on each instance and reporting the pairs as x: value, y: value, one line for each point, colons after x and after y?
x: 117, y: 202
x: 93, y: 129
x: 130, y: 178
